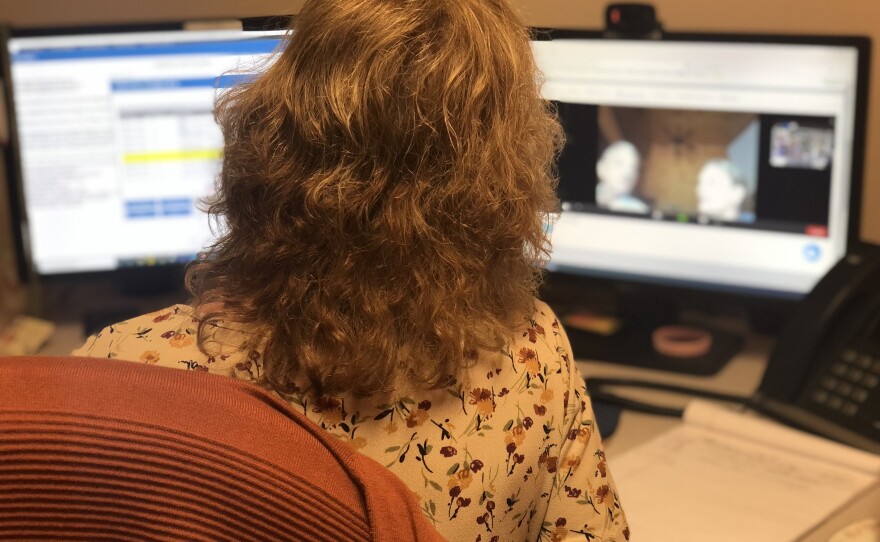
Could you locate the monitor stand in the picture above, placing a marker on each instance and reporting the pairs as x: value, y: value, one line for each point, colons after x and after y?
x: 101, y: 300
x: 632, y: 345
x: 639, y: 312
x: 139, y: 291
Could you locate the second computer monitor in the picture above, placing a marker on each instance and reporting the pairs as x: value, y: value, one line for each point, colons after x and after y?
x: 715, y: 162
x: 116, y: 144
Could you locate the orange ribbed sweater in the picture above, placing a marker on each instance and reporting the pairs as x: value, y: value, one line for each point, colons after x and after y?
x: 104, y: 450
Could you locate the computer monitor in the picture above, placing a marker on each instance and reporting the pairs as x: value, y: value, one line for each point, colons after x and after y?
x: 718, y: 172
x: 711, y: 162
x: 114, y: 140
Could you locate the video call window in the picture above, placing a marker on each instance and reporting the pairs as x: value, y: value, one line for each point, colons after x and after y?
x: 709, y: 168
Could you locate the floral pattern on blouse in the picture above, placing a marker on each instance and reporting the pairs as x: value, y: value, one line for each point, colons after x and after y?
x: 508, y: 450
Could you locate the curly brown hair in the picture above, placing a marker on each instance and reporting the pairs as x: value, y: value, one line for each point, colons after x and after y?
x: 384, y: 193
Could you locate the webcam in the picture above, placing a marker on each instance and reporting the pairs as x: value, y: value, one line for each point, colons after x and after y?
x: 632, y: 20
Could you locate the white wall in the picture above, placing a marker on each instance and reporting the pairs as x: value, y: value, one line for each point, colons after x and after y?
x: 804, y: 16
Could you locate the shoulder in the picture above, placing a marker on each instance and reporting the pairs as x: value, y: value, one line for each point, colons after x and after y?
x: 542, y: 346
x: 544, y: 316
x: 167, y: 337
x: 145, y: 327
x: 536, y: 359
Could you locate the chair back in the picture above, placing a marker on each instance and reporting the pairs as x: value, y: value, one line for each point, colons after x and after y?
x: 96, y: 449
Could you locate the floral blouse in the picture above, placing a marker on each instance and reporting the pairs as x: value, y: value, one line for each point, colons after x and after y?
x: 509, y: 450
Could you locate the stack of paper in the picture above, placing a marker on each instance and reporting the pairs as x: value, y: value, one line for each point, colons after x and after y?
x: 728, y: 476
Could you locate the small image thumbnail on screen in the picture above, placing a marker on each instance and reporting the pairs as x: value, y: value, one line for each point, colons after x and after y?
x: 794, y: 145
x: 695, y: 166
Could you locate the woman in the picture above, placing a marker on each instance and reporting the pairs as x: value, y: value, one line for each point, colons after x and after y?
x: 384, y: 192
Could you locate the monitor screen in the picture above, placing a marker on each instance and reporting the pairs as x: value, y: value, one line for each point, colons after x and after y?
x: 117, y: 142
x: 703, y: 162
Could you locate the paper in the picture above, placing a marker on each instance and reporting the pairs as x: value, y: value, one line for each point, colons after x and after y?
x: 696, y: 483
x: 759, y: 430
x: 24, y: 336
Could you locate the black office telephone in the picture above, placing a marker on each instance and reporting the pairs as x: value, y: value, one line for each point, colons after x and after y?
x: 824, y: 373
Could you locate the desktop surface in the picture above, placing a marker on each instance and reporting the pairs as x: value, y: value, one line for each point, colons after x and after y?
x: 741, y: 376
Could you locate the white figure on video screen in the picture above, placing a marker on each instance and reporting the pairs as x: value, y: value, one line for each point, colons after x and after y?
x: 721, y: 192
x: 618, y: 173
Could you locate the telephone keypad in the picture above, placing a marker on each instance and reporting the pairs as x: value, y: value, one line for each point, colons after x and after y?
x: 844, y: 389
x: 834, y: 402
x: 850, y: 409
x: 848, y: 384
x: 860, y: 395
x: 839, y: 369
x: 864, y: 362
x: 829, y: 382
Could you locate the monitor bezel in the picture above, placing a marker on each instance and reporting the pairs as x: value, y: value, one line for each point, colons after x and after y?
x: 862, y: 44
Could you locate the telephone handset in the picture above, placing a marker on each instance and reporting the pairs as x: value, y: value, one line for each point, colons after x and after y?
x: 824, y: 373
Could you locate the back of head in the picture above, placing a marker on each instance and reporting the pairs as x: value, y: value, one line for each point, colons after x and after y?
x: 384, y: 190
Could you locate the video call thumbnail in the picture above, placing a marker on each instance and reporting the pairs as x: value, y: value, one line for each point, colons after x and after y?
x: 754, y: 170
x: 798, y: 146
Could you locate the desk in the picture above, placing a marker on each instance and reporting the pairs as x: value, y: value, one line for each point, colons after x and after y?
x: 741, y: 376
